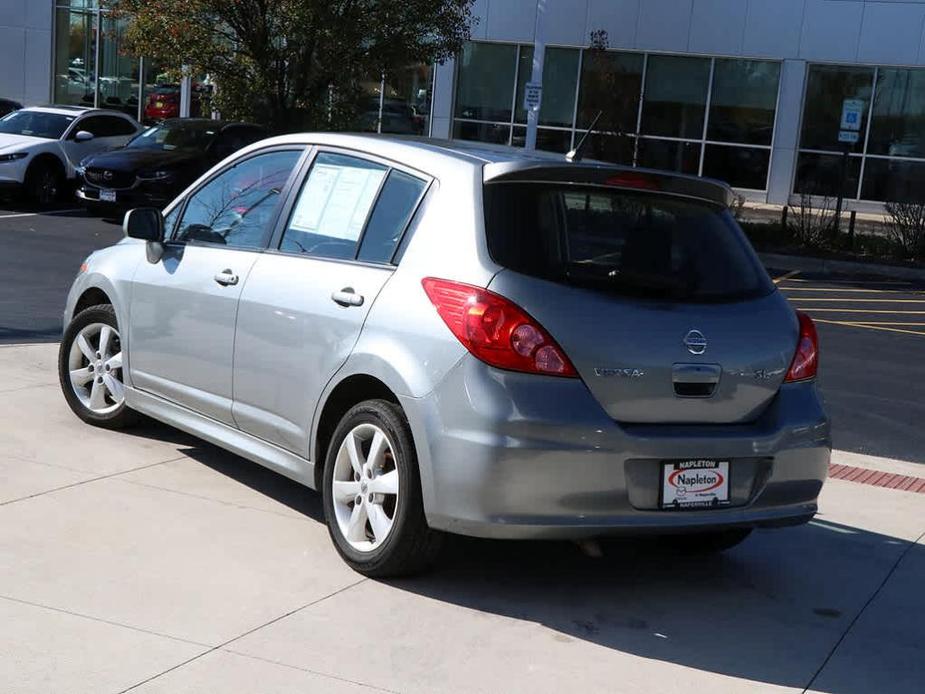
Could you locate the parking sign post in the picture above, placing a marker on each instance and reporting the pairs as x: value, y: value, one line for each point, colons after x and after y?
x: 533, y: 91
x: 849, y: 134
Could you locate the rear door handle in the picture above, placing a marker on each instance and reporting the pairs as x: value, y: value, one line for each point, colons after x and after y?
x: 226, y: 278
x: 347, y: 297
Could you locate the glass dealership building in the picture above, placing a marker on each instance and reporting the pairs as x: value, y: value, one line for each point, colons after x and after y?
x: 749, y: 91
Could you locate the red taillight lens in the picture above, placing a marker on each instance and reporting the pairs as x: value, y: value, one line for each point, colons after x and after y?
x: 629, y: 179
x: 496, y: 330
x: 806, y: 360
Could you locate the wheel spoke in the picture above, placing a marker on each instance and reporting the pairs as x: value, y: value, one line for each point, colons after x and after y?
x: 105, y: 336
x: 85, y: 348
x: 377, y: 449
x: 115, y: 361
x: 114, y: 386
x: 346, y: 491
x: 356, y: 456
x: 356, y: 526
x: 379, y: 522
x: 80, y: 377
x: 97, y: 395
x: 385, y: 484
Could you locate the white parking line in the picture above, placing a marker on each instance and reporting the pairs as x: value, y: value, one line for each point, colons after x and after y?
x: 36, y: 214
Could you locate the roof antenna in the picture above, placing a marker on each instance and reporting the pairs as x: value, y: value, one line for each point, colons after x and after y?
x: 577, y: 153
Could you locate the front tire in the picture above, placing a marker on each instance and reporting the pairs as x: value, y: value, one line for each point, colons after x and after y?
x: 372, y: 494
x: 90, y: 369
x: 44, y: 183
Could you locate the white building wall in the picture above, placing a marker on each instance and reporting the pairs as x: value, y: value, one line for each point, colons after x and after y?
x: 876, y: 32
x: 25, y: 50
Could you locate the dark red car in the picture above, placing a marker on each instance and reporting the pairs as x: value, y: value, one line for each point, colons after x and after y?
x: 164, y: 102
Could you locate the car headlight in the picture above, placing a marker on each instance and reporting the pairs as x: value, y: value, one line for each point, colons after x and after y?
x: 155, y: 175
x: 14, y: 156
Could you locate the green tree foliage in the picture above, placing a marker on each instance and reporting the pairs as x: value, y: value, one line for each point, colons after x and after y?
x: 294, y: 64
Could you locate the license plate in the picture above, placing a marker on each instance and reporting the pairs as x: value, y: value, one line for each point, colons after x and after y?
x: 107, y: 196
x: 695, y: 483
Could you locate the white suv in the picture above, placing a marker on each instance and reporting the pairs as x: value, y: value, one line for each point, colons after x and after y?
x: 41, y: 146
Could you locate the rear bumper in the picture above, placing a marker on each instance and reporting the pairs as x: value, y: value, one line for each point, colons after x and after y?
x: 508, y: 455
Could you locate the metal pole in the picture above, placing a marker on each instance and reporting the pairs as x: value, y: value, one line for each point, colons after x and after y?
x: 381, y: 103
x: 97, y: 71
x: 842, y: 179
x: 539, y: 55
x: 186, y: 89
x: 141, y: 89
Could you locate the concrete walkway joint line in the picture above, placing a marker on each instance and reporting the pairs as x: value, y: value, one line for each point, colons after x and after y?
x: 247, y: 633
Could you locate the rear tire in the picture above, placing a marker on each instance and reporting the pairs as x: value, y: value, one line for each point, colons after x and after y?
x: 711, y: 542
x: 90, y: 369
x: 372, y: 494
x: 44, y: 183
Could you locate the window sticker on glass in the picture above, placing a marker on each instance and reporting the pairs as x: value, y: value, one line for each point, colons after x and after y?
x: 336, y: 201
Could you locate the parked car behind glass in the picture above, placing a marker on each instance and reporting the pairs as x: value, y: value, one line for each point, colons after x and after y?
x: 447, y: 337
x: 159, y: 163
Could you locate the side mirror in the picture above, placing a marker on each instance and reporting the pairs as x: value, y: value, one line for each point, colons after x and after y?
x: 147, y: 224
x: 83, y: 136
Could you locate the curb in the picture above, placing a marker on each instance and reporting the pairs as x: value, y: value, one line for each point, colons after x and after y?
x: 827, y: 266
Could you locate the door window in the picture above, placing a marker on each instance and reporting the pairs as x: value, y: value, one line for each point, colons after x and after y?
x: 237, y: 207
x: 396, y: 204
x: 333, y: 206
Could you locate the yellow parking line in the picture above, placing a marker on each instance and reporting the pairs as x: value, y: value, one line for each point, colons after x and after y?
x: 865, y: 301
x: 858, y: 310
x: 855, y: 282
x: 870, y: 327
x: 792, y: 273
x: 846, y: 289
x: 909, y: 325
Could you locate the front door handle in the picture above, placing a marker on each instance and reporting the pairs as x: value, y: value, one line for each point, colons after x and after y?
x: 226, y: 278
x: 347, y: 297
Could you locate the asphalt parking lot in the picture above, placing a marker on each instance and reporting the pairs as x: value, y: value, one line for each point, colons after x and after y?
x: 149, y: 561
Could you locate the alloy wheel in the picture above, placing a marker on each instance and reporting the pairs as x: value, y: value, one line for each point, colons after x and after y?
x: 95, y: 365
x: 365, y: 487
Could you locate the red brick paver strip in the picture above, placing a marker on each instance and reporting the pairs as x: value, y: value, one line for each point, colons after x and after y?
x: 877, y: 478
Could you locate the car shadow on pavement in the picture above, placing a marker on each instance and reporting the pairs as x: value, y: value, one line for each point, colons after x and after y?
x: 771, y: 610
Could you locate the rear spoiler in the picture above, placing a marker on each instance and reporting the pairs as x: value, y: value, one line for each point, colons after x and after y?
x: 705, y: 189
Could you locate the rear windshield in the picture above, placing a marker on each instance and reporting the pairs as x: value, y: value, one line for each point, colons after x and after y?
x: 626, y: 242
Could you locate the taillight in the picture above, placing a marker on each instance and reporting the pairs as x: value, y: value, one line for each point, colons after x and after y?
x: 631, y: 179
x: 806, y: 360
x: 496, y: 330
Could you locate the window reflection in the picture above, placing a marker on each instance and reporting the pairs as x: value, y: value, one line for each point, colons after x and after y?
x: 898, y: 126
x: 743, y: 101
x: 676, y: 96
x: 560, y: 75
x: 742, y: 167
x: 888, y: 180
x: 484, y: 80
x: 75, y: 56
x: 820, y: 174
x: 826, y: 90
x: 611, y: 83
x: 669, y: 155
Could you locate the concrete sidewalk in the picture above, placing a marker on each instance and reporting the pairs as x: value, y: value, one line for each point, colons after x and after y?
x: 148, y: 561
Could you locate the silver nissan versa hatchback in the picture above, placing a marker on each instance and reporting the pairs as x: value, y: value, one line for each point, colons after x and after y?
x: 444, y: 337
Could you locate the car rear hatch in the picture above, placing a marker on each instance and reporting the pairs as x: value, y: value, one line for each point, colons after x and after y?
x: 648, y: 284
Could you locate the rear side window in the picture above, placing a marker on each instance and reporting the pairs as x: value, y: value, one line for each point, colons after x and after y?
x: 625, y: 242
x: 396, y: 204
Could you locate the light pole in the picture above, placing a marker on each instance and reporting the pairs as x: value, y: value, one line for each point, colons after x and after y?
x: 533, y: 93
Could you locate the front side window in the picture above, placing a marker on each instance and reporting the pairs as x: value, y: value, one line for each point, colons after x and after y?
x: 237, y: 207
x: 333, y: 206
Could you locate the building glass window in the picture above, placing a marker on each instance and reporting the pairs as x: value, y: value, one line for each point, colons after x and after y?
x: 75, y: 56
x: 827, y: 87
x: 560, y: 77
x: 898, y: 125
x: 675, y: 98
x: 658, y: 111
x: 118, y: 74
x: 887, y: 164
x: 485, y: 80
x: 743, y: 101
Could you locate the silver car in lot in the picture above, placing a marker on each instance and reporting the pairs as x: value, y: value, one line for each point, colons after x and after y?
x: 450, y: 337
